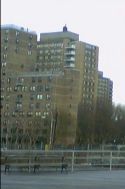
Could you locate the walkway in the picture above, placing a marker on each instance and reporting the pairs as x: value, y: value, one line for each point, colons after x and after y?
x: 77, y: 180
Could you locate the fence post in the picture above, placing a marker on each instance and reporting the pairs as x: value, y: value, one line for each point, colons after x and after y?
x: 73, y: 161
x: 29, y: 161
x: 110, y: 160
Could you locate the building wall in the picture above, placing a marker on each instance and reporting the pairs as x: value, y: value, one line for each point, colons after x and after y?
x: 18, y: 49
x: 66, y: 93
x: 105, y: 90
x: 21, y: 103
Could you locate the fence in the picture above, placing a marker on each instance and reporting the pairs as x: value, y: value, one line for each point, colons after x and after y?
x: 51, y: 160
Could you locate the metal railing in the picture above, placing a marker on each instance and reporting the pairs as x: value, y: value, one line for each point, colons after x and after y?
x: 75, y: 159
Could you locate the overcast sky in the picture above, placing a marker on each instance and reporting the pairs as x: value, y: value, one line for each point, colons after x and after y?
x: 99, y: 22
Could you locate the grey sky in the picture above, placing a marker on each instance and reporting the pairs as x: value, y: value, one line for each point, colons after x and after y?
x: 99, y: 22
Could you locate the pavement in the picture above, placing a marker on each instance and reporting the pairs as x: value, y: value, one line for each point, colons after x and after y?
x: 114, y: 179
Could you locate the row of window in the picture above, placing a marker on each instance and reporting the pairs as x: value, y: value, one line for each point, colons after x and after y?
x: 88, y: 83
x: 21, y: 80
x: 89, y: 71
x: 29, y: 52
x: 90, y: 53
x: 90, y: 77
x: 25, y: 88
x: 5, y: 48
x: 50, y: 58
x: 52, y: 69
x: 91, y: 96
x: 89, y: 59
x: 50, y: 45
x: 31, y: 106
x: 7, y: 122
x: 33, y: 97
x: 50, y: 51
x: 29, y: 114
x: 88, y: 46
x: 88, y: 90
x: 17, y: 33
x: 70, y: 46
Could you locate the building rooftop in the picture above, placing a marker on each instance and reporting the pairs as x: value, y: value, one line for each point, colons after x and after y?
x: 59, y: 35
x: 19, y: 28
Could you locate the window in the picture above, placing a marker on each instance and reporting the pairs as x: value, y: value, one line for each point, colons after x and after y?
x: 32, y: 97
x: 2, y: 81
x: 47, y: 88
x: 20, y: 80
x: 45, y: 113
x: 24, y: 88
x: 6, y: 114
x: 17, y: 41
x: 32, y: 88
x: 3, y: 73
x: 9, y: 89
x: 39, y: 96
x: 5, y: 130
x: 19, y: 106
x: 31, y: 106
x: 6, y: 40
x: 29, y: 114
x: 4, y: 122
x: 29, y: 45
x: 16, y: 50
x: 6, y: 31
x: 2, y: 88
x: 16, y: 88
x: 5, y: 48
x: 2, y: 97
x: 14, y: 114
x: 21, y: 113
x: 20, y: 96
x: 8, y: 80
x: 48, y: 97
x: 38, y: 113
x: 48, y: 105
x: 4, y: 56
x: 7, y: 106
x: 17, y: 33
x: 33, y: 79
x: 30, y: 37
x: 29, y: 52
x: 37, y: 105
x: 88, y: 46
x: 39, y: 88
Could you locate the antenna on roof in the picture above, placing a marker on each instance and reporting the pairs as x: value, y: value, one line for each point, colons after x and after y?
x: 65, y: 28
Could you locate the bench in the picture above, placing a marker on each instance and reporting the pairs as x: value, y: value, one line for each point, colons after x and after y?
x: 36, y: 167
x: 10, y: 166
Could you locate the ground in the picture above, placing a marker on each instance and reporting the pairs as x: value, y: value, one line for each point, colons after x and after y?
x: 78, y: 180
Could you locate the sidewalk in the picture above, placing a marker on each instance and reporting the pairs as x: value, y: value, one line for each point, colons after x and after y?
x: 76, y: 180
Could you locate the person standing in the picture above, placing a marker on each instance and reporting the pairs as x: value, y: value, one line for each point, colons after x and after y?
x: 64, y: 165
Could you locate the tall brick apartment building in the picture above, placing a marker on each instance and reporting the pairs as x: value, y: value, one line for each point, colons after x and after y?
x: 42, y: 84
